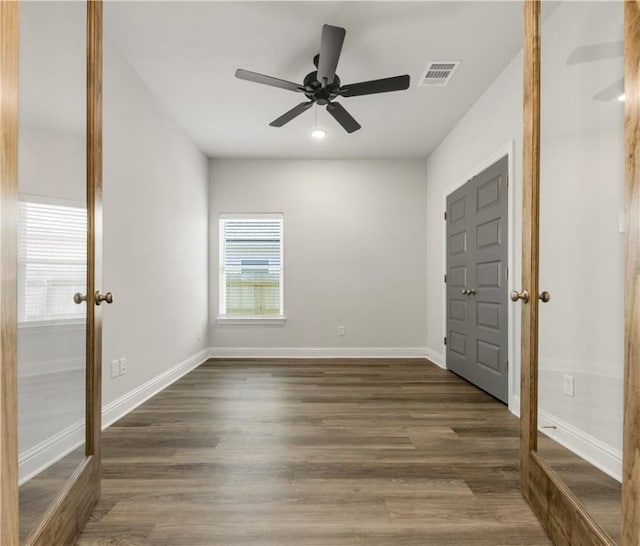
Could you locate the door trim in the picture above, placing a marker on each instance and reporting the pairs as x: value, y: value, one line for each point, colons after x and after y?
x: 631, y: 442
x: 9, y: 533
x: 513, y: 333
x: 94, y: 227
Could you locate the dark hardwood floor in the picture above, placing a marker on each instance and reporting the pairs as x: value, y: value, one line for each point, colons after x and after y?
x: 39, y: 492
x: 310, y: 453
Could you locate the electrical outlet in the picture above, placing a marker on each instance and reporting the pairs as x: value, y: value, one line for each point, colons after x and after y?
x: 568, y: 385
x: 340, y: 330
x: 123, y: 366
x: 115, y: 368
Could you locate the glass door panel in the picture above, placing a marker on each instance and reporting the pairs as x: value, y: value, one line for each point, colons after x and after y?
x: 581, y: 327
x: 52, y: 252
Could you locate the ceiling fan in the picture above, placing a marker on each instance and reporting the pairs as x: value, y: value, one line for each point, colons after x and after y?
x: 323, y: 86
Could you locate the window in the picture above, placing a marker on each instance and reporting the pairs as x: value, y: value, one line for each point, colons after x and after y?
x: 52, y: 261
x: 251, y: 266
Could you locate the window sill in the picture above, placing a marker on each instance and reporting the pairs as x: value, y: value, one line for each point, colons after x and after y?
x: 251, y: 320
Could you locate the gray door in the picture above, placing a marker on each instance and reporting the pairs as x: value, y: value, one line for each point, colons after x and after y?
x: 477, y: 227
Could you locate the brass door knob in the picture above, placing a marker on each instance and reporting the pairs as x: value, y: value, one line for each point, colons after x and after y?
x: 544, y: 297
x: 79, y: 298
x: 108, y: 297
x: 524, y: 296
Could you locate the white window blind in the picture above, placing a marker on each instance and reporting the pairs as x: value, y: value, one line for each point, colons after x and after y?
x: 251, y: 266
x: 52, y: 261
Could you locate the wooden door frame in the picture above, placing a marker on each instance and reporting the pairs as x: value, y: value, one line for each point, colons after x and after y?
x: 8, y: 272
x: 631, y: 443
x: 562, y: 514
x: 65, y: 518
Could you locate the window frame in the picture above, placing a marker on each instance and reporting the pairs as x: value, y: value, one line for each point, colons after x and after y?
x: 223, y: 317
x: 58, y: 322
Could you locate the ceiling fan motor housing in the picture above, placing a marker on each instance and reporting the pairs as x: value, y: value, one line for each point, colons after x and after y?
x: 314, y: 91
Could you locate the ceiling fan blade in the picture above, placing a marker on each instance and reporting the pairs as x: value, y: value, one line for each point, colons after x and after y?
x: 268, y: 80
x: 596, y: 52
x: 385, y: 85
x: 343, y: 117
x: 611, y: 92
x: 293, y: 113
x: 330, y: 48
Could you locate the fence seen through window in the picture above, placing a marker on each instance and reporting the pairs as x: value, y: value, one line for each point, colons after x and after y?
x: 251, y: 265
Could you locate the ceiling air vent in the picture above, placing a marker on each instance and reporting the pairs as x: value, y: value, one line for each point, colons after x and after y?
x: 439, y: 73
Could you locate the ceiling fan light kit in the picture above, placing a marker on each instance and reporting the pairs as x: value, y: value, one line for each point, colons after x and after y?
x: 317, y: 133
x: 322, y: 86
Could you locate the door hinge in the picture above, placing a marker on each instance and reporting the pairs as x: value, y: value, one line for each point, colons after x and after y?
x: 445, y: 278
x: 445, y: 214
x: 506, y: 272
x: 445, y: 340
x: 507, y: 177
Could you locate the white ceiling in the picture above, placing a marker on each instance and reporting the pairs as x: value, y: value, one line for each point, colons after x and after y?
x: 187, y: 53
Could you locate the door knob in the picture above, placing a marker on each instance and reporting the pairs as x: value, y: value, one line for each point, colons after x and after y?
x: 471, y: 292
x: 79, y: 298
x: 108, y: 297
x: 465, y: 292
x: 524, y: 296
x: 544, y: 297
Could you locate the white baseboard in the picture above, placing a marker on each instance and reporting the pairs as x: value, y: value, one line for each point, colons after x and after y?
x: 436, y: 357
x: 514, y: 406
x: 317, y: 352
x: 41, y: 456
x: 119, y: 407
x: 44, y: 454
x: 592, y: 450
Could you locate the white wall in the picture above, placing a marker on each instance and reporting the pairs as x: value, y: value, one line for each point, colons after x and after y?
x: 51, y: 381
x: 581, y: 244
x: 492, y: 124
x: 51, y: 165
x: 354, y: 254
x: 154, y: 261
x: 581, y: 247
x: 155, y: 234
